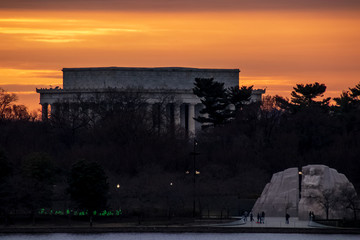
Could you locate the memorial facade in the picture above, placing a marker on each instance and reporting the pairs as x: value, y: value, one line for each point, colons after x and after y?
x: 155, y: 84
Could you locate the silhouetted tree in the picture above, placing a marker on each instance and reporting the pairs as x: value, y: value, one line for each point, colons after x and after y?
x: 345, y: 102
x: 304, y: 95
x: 349, y: 100
x: 11, y: 111
x: 213, y: 96
x: 6, y: 102
x: 283, y: 103
x: 217, y: 101
x: 88, y: 186
x: 328, y: 200
x: 349, y: 199
x: 5, y: 187
x: 239, y: 96
x: 71, y: 117
x: 242, y: 154
x: 4, y: 166
x: 37, y: 188
x: 355, y: 91
x: 347, y: 109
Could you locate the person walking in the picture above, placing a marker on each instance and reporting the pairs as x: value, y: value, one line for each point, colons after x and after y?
x: 251, y: 216
x: 262, y: 217
x: 287, y: 217
x: 258, y: 218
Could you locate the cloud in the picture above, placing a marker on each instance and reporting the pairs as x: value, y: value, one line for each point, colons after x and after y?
x: 25, y: 88
x: 180, y: 5
x: 39, y: 34
x: 16, y: 77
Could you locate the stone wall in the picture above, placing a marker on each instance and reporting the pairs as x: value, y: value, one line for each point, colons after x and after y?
x: 148, y: 78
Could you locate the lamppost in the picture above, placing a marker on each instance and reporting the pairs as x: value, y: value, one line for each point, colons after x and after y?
x: 170, y: 200
x: 195, y: 172
x: 118, y: 195
x: 300, y: 179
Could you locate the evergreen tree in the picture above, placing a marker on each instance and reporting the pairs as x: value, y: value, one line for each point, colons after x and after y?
x: 349, y: 100
x: 214, y: 98
x: 304, y: 95
x: 217, y: 101
x: 348, y: 109
x: 239, y: 96
x: 355, y: 91
x: 345, y: 103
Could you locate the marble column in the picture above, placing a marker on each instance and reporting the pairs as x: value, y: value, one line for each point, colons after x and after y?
x: 156, y: 115
x: 44, y: 111
x: 149, y: 109
x: 191, y: 120
x: 176, y: 114
x: 52, y: 110
x: 149, y: 113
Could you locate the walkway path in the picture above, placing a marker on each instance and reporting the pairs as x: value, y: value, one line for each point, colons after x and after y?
x: 273, y: 222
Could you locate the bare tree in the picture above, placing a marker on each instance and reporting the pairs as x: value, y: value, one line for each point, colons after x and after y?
x: 328, y: 201
x: 161, y: 113
x: 72, y: 115
x: 6, y: 101
x: 10, y: 111
x: 349, y: 199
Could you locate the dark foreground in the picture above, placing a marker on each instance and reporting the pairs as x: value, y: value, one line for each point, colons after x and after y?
x: 175, y: 229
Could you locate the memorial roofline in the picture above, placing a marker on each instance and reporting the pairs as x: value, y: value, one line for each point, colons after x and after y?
x: 112, y: 90
x: 160, y: 69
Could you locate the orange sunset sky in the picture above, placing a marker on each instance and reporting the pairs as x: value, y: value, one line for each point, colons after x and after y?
x: 276, y: 44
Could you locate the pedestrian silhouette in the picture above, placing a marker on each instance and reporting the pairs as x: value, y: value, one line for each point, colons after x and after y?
x: 287, y: 216
x: 251, y: 217
x: 245, y: 216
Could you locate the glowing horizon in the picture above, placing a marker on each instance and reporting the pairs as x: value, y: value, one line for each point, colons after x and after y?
x: 274, y: 49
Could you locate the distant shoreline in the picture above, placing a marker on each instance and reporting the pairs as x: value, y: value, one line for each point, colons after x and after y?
x: 164, y: 229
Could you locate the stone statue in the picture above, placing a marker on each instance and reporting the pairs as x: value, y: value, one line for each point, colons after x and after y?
x: 281, y: 195
x: 319, y: 184
x: 311, y: 180
x: 310, y: 184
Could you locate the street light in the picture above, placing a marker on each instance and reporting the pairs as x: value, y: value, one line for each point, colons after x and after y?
x: 195, y: 172
x: 300, y: 179
x: 118, y: 195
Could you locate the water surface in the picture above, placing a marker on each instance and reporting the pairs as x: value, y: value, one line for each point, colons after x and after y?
x: 179, y: 236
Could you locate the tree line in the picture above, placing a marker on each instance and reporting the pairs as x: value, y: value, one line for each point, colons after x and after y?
x: 240, y: 147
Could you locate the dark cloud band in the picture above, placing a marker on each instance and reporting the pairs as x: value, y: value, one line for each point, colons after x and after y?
x: 180, y: 5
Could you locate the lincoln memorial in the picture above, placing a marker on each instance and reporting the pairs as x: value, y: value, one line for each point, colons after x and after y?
x: 173, y: 83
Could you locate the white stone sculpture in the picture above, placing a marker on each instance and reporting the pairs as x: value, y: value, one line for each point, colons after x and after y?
x: 310, y: 184
x: 281, y: 195
x: 322, y: 192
